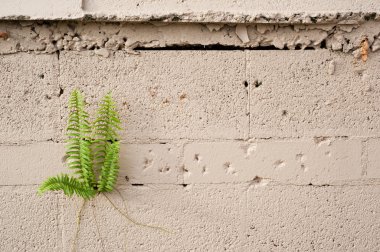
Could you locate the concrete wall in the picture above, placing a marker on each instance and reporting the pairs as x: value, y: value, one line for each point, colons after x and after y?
x: 237, y: 11
x: 230, y: 146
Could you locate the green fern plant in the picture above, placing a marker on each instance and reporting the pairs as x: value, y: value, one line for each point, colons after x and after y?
x: 92, y: 150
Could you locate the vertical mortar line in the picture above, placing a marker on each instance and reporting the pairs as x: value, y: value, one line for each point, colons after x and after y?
x: 181, y: 163
x: 364, y: 157
x: 248, y: 79
x: 59, y: 98
x: 59, y: 234
x: 248, y: 110
x: 59, y: 210
x: 245, y: 218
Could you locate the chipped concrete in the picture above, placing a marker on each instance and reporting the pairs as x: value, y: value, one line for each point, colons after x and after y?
x: 105, y: 38
x: 289, y: 162
x: 240, y: 131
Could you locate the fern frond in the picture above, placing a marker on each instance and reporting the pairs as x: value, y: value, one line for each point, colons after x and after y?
x: 79, y: 143
x: 69, y: 185
x: 110, y: 168
x: 105, y: 129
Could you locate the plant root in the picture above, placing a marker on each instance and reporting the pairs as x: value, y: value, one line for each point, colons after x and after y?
x: 79, y: 217
x: 97, y: 225
x: 132, y: 220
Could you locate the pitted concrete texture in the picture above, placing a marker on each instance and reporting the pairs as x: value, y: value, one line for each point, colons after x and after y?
x: 293, y: 218
x: 104, y: 39
x: 228, y: 145
x: 28, y: 222
x: 240, y: 11
x: 29, y: 103
x: 327, y: 161
x: 230, y: 217
x: 282, y: 103
x: 318, y: 161
x: 171, y: 95
x: 295, y: 94
x: 150, y: 163
x: 198, y: 218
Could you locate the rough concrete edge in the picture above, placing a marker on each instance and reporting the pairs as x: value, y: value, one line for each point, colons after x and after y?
x: 219, y: 17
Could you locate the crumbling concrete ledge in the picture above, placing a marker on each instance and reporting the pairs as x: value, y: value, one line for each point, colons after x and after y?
x: 195, y: 11
x: 105, y: 38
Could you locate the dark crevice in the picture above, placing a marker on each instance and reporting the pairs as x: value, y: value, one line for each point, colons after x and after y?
x: 198, y: 47
x: 215, y: 47
x: 137, y: 184
x: 258, y: 83
x: 323, y: 44
x: 60, y: 92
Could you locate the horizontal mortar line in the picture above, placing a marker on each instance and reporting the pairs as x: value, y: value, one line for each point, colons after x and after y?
x: 175, y: 48
x: 205, y: 140
x: 271, y: 182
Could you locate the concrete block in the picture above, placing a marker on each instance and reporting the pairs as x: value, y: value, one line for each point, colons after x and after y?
x: 173, y: 101
x: 373, y: 165
x: 28, y: 222
x: 223, y: 11
x: 41, y: 9
x: 318, y: 161
x: 296, y: 94
x: 308, y: 218
x: 150, y: 163
x: 30, y: 164
x: 29, y: 100
x: 199, y: 218
x: 141, y: 163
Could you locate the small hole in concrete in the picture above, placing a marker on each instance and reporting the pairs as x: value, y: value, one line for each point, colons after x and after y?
x: 323, y: 44
x: 137, y: 184
x: 60, y: 92
x: 41, y: 76
x: 182, y: 96
x: 284, y: 113
x: 245, y: 83
x: 258, y: 83
x: 126, y: 178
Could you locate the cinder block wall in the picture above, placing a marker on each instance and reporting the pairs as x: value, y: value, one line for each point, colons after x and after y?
x: 270, y: 144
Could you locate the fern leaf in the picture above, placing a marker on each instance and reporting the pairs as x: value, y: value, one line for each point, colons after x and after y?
x: 69, y: 185
x: 105, y: 129
x: 79, y: 143
x: 110, y: 168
